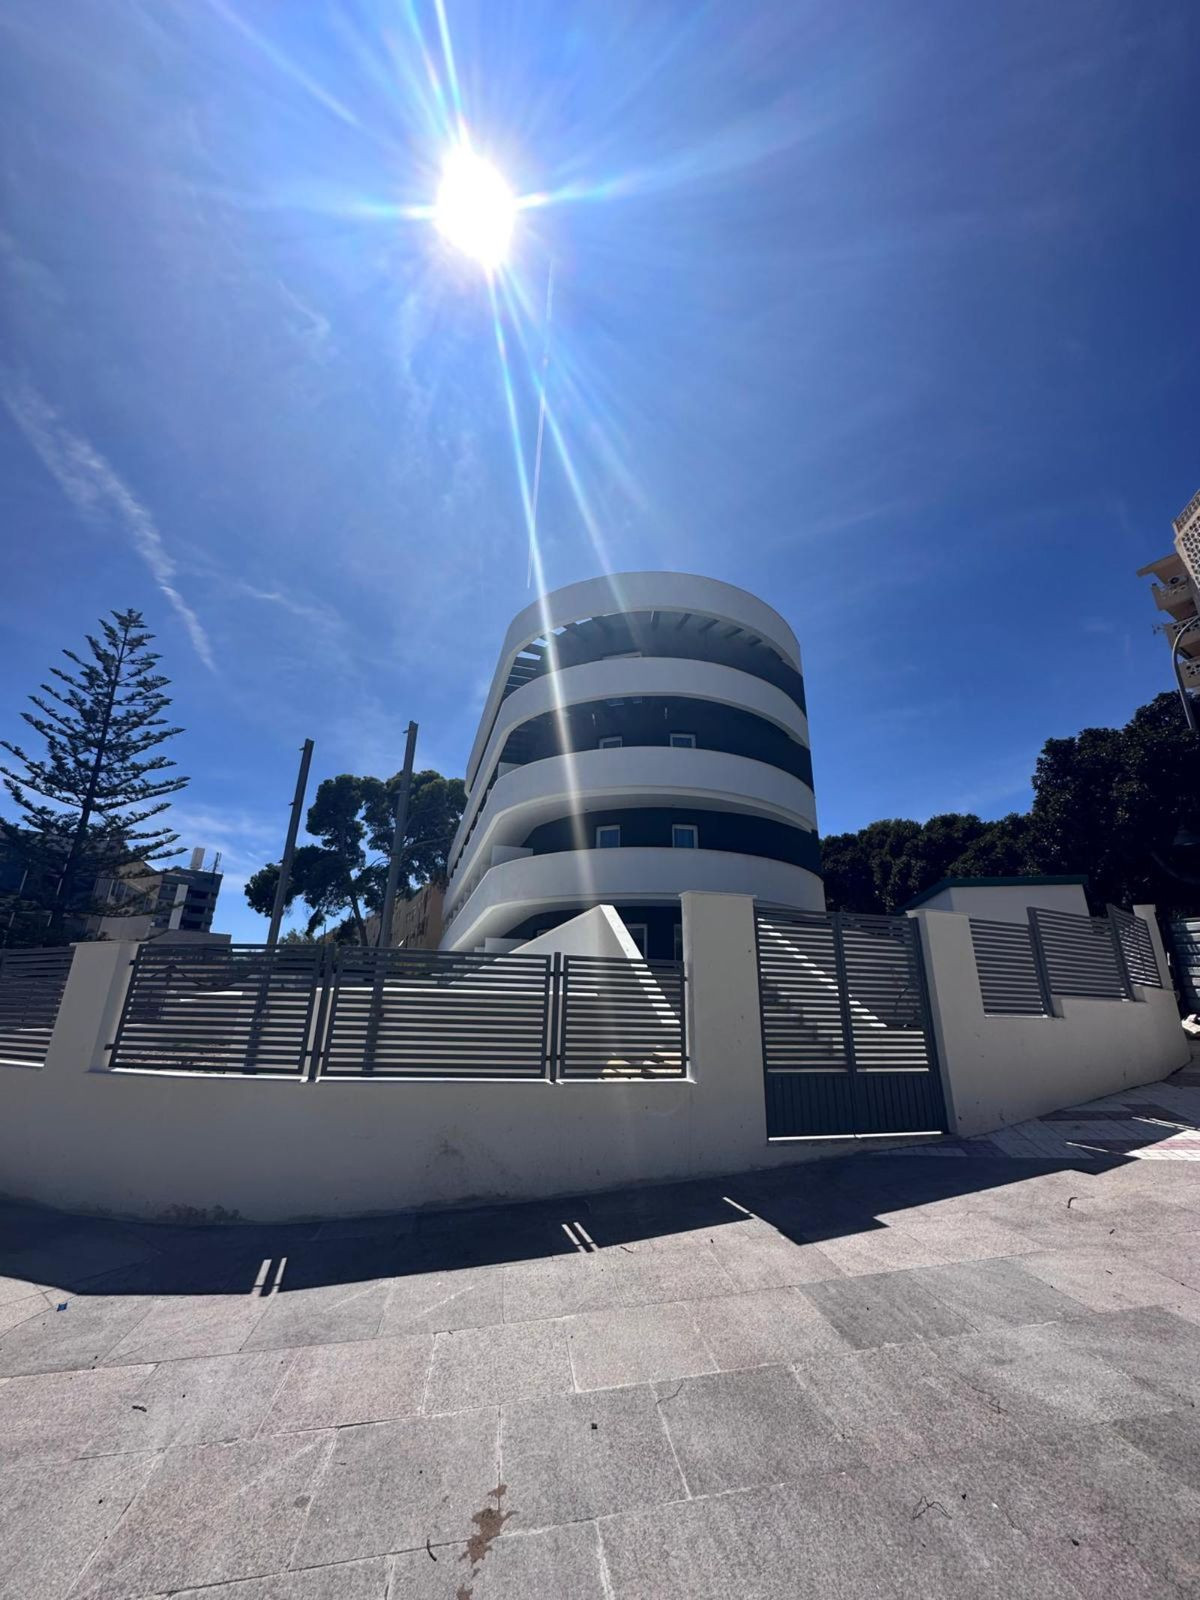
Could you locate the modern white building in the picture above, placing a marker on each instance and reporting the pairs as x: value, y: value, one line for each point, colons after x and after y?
x: 644, y: 734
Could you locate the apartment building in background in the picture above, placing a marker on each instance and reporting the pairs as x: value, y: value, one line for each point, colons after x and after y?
x: 159, y: 901
x: 1176, y: 591
x: 644, y: 735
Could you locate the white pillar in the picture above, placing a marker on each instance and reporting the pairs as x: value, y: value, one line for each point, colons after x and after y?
x: 1149, y: 915
x: 91, y: 1007
x: 724, y: 1032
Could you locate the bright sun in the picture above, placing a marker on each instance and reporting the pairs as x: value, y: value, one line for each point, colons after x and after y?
x: 475, y: 208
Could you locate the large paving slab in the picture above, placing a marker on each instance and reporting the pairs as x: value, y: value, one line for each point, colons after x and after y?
x: 967, y: 1370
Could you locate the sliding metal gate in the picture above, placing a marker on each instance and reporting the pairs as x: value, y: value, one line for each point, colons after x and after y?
x: 847, y: 1042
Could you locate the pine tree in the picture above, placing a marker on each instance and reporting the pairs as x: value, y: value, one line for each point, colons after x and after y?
x: 86, y: 807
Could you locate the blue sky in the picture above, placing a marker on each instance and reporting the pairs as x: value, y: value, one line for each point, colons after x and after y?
x: 886, y: 313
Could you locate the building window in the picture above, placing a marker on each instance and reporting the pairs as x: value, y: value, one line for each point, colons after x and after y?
x: 611, y: 741
x: 684, y: 836
x: 608, y: 837
x: 683, y: 741
x: 640, y: 935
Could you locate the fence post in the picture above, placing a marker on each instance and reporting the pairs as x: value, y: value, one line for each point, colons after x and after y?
x: 556, y: 980
x: 1114, y: 934
x: 1039, y: 961
x: 324, y: 976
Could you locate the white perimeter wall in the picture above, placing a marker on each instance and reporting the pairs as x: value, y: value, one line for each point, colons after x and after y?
x: 169, y: 1145
x: 998, y: 1070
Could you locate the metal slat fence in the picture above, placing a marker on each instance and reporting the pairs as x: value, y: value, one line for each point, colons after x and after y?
x: 847, y: 1046
x: 427, y: 1014
x: 621, y: 1018
x: 346, y: 1012
x: 220, y: 1008
x: 1137, y: 947
x: 1185, y: 950
x: 1011, y: 979
x: 1083, y: 955
x: 31, y: 990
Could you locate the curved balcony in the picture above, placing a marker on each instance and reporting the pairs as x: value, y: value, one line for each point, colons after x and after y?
x: 637, y: 775
x: 646, y: 676
x: 514, y: 890
x: 685, y: 595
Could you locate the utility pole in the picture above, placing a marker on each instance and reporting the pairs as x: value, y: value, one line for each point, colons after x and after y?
x: 289, y: 849
x: 400, y: 824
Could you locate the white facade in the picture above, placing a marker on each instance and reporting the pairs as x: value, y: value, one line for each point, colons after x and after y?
x: 644, y: 735
x: 1176, y: 592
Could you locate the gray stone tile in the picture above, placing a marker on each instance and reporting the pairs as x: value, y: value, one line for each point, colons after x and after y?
x: 636, y: 1345
x: 1045, y: 1378
x: 1092, y: 1486
x: 903, y: 1401
x: 350, y: 1580
x: 393, y: 1485
x: 884, y: 1308
x: 203, y: 1400
x: 556, y: 1564
x: 764, y: 1326
x: 191, y: 1325
x: 561, y: 1286
x: 736, y: 1430
x: 13, y: 1312
x: 994, y: 1293
x: 692, y: 1272
x: 16, y: 1289
x: 78, y: 1336
x: 77, y: 1254
x: 331, y: 1314
x: 950, y: 1535
x: 483, y: 1366
x: 53, y: 1515
x: 758, y: 1544
x: 1149, y: 1345
x: 373, y: 1380
x: 1170, y: 1439
x: 965, y: 1235
x: 53, y: 1415
x: 882, y: 1249
x: 570, y: 1457
x: 1110, y: 1280
x: 436, y: 1302
x: 209, y: 1514
x: 755, y: 1256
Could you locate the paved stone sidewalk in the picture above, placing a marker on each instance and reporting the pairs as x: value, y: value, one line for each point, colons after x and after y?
x: 887, y: 1375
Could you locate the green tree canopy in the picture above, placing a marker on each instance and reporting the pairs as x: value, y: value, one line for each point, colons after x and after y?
x: 343, y: 875
x: 1109, y: 803
x: 87, y: 806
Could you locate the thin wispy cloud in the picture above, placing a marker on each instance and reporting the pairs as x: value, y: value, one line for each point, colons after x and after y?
x: 99, y: 495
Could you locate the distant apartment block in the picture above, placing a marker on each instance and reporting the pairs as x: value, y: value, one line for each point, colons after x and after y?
x: 159, y: 901
x: 1176, y: 591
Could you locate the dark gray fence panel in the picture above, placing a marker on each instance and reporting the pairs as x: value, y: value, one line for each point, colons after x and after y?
x: 219, y: 1008
x: 1137, y: 947
x: 437, y: 1014
x: 1009, y: 979
x: 1081, y: 955
x: 621, y: 1019
x: 31, y: 990
x: 1184, y: 933
x: 846, y: 1029
x: 896, y: 1082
